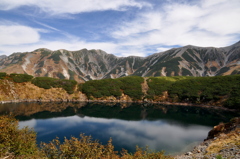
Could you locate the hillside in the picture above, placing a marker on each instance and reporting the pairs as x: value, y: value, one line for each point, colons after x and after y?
x: 84, y: 65
x: 221, y: 91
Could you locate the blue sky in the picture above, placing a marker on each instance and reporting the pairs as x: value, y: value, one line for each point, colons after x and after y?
x: 119, y: 27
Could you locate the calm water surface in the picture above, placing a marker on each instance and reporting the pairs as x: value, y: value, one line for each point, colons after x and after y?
x: 161, y: 127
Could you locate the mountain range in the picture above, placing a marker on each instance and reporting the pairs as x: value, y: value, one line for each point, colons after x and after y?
x: 84, y: 65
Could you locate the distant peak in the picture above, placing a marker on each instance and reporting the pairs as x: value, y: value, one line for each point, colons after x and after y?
x: 42, y: 49
x: 237, y: 43
x: 191, y: 46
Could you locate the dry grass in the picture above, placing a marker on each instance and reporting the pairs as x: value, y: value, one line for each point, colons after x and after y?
x: 225, y: 141
x: 21, y: 91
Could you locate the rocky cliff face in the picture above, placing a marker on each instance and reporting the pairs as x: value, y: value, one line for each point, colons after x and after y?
x: 84, y: 65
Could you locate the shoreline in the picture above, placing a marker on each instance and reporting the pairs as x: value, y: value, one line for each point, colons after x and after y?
x: 221, y: 141
x: 118, y: 101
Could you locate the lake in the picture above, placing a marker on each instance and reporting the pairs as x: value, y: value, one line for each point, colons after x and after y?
x: 171, y: 128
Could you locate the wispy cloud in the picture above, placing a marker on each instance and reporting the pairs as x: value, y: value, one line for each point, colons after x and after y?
x: 47, y: 26
x: 203, y: 23
x: 72, y: 6
x: 121, y: 27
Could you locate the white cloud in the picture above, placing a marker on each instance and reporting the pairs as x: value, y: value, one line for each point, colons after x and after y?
x: 202, y: 24
x: 161, y: 49
x: 18, y: 38
x: 29, y: 123
x: 212, y: 3
x: 182, y: 12
x: 18, y: 34
x: 222, y: 18
x: 156, y: 135
x: 56, y: 45
x: 72, y: 6
x: 144, y: 23
x: 159, y: 134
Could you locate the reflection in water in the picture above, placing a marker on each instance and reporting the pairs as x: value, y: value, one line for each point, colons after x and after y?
x: 158, y: 135
x: 170, y: 128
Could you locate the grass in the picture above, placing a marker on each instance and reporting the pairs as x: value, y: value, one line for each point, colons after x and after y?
x: 174, y: 78
x: 225, y: 141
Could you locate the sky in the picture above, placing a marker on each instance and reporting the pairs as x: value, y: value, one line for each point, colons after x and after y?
x: 119, y: 27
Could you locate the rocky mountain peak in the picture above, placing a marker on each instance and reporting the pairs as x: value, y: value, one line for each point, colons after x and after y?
x: 83, y: 65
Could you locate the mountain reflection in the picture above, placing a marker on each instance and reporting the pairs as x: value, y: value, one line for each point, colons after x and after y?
x: 161, y: 127
x: 126, y: 111
x: 157, y: 134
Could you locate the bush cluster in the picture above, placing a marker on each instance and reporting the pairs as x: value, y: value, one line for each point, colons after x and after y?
x: 21, y: 143
x: 179, y: 88
x: 130, y: 86
x: 158, y: 85
x: 48, y: 82
x: 198, y: 89
x: 3, y: 75
x: 20, y: 78
x: 101, y: 88
x: 205, y: 89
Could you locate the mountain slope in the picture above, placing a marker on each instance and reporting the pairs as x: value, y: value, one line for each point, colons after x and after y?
x: 84, y: 65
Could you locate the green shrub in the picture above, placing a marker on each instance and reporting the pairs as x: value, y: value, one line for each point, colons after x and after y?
x: 101, y: 88
x: 130, y: 85
x: 44, y: 53
x: 71, y: 73
x: 44, y: 82
x: 19, y: 78
x: 68, y: 85
x: 205, y: 89
x: 233, y: 101
x: 19, y: 142
x: 55, y: 56
x: 219, y: 157
x: 197, y: 89
x: 3, y: 75
x: 158, y: 85
x: 48, y: 82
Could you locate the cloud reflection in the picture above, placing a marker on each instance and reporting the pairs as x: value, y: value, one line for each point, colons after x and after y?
x: 158, y: 134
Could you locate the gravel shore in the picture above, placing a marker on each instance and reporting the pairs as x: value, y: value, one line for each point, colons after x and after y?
x: 223, y: 141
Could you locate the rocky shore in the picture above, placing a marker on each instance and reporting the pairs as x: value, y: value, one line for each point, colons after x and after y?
x: 223, y: 141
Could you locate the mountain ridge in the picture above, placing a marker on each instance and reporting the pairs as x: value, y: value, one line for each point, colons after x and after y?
x: 84, y: 65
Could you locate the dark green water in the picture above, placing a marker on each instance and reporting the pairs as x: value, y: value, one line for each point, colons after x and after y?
x: 161, y: 127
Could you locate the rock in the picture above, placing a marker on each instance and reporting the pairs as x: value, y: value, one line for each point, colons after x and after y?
x: 232, y: 149
x: 223, y: 132
x: 189, y: 153
x: 224, y: 128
